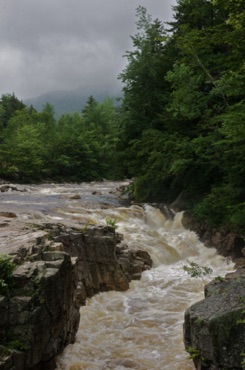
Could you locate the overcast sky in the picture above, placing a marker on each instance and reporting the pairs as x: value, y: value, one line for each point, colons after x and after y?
x: 48, y: 45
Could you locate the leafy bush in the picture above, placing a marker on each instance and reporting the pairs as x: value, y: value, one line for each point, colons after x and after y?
x: 6, y: 270
x: 194, y: 353
x: 17, y: 345
x: 194, y: 270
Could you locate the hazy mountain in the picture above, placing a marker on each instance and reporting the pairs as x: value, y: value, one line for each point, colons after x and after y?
x: 72, y: 100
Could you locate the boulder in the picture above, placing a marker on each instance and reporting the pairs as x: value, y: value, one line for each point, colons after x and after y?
x: 75, y: 196
x: 214, y: 328
x: 9, y: 187
x: 8, y: 214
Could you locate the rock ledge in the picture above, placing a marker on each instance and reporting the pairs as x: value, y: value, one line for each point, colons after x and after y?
x: 58, y: 268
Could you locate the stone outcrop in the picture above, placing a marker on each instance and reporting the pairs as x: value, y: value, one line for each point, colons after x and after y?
x: 39, y: 315
x: 214, y: 328
x: 213, y: 333
x: 103, y: 262
x: 58, y: 268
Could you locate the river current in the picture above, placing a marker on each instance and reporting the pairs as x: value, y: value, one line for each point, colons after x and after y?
x: 141, y: 328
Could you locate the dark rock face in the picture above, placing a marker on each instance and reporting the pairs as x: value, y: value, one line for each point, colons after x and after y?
x: 39, y: 316
x: 103, y: 263
x: 59, y: 267
x: 214, y: 327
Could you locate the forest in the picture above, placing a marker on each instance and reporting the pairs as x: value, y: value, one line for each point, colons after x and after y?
x: 179, y: 129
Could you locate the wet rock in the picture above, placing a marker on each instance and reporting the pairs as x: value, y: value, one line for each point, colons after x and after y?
x: 39, y: 315
x: 102, y: 264
x: 3, y: 224
x: 133, y: 262
x: 125, y: 191
x: 60, y: 267
x: 8, y: 214
x: 75, y: 196
x: 167, y: 212
x: 179, y: 204
x: 144, y: 257
x: 9, y: 187
x: 213, y: 326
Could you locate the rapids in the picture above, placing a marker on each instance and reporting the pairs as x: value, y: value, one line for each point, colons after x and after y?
x: 143, y: 327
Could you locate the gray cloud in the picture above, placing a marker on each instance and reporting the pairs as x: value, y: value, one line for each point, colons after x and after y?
x: 63, y: 44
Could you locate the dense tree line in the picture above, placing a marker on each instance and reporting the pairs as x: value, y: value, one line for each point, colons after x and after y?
x: 180, y: 129
x: 184, y: 112
x: 34, y: 146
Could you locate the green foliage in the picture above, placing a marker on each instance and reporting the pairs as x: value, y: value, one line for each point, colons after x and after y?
x: 194, y: 353
x: 9, y: 104
x: 77, y: 147
x: 17, y: 345
x: 22, y: 150
x: 4, y: 352
x: 194, y: 270
x: 188, y: 100
x: 219, y: 279
x: 222, y: 206
x: 242, y: 318
x: 100, y: 130
x: 243, y: 356
x: 144, y: 84
x: 192, y: 140
x: 111, y: 222
x: 6, y: 270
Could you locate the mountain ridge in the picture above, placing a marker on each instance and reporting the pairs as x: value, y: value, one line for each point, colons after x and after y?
x: 70, y: 101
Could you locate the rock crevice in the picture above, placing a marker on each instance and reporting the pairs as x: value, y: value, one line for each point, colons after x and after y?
x: 58, y: 268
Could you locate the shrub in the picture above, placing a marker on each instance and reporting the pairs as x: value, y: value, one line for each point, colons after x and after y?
x: 6, y: 270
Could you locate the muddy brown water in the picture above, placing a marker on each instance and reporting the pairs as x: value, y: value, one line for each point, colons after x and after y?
x: 143, y: 327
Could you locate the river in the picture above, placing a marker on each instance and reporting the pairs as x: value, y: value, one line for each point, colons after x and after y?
x: 143, y: 327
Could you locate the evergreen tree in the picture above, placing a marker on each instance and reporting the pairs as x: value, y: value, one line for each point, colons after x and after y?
x: 21, y: 153
x: 143, y: 78
x: 9, y: 104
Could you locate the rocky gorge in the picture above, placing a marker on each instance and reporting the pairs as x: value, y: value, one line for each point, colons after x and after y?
x: 59, y: 266
x: 57, y: 269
